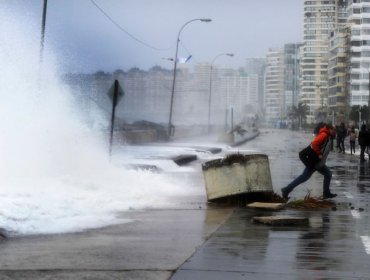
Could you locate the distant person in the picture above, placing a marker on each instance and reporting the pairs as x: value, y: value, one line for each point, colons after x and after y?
x: 363, y: 136
x: 332, y: 138
x: 341, y: 135
x: 352, y: 138
x: 367, y: 140
x: 321, y: 147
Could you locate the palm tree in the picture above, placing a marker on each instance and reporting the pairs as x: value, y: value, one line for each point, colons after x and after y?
x: 357, y: 112
x: 299, y: 113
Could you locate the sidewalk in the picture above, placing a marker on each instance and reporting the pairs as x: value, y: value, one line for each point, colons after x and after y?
x: 335, y: 245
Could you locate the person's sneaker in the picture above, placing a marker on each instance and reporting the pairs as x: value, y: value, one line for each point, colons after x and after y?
x: 285, y: 193
x: 329, y: 195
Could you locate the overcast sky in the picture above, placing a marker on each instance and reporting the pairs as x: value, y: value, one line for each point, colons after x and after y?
x: 84, y: 40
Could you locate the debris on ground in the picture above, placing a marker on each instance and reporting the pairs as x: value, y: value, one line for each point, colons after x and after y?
x: 266, y: 205
x: 281, y: 220
x: 242, y: 200
x: 310, y: 202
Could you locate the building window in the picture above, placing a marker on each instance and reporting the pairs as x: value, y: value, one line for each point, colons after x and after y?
x: 356, y: 11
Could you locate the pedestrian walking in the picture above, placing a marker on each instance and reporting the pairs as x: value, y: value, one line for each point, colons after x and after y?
x: 352, y: 139
x: 363, y: 136
x: 332, y: 138
x: 320, y: 147
x: 341, y: 135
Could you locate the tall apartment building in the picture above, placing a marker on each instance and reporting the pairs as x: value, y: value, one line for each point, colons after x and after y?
x: 229, y: 91
x: 255, y: 68
x: 255, y: 65
x: 274, y: 86
x: 359, y: 30
x: 337, y: 109
x: 338, y: 55
x: 147, y: 95
x: 253, y: 92
x: 291, y: 76
x: 320, y: 18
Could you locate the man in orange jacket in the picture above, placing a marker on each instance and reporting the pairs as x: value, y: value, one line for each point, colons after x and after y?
x: 320, y: 145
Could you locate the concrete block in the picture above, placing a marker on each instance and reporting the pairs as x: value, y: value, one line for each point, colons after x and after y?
x: 266, y: 205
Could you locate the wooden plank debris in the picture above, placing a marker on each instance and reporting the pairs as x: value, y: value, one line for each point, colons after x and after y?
x: 266, y: 205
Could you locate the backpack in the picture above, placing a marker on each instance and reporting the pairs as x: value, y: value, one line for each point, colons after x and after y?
x: 308, y: 157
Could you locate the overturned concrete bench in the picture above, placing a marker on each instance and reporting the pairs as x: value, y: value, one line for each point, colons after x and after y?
x: 280, y: 220
x: 237, y: 174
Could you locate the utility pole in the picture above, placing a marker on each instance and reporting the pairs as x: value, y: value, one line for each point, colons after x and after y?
x: 43, y: 23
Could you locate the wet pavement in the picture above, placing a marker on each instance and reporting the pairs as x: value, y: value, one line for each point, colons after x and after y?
x: 335, y: 244
x: 152, y: 246
x: 196, y: 240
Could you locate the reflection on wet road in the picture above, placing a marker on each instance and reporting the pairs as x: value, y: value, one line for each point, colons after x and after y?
x: 335, y: 245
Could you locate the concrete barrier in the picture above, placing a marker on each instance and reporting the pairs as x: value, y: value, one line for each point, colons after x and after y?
x: 241, y: 141
x: 237, y: 174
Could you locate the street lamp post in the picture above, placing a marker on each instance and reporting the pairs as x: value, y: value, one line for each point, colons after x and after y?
x: 210, y: 88
x: 360, y: 107
x: 359, y: 117
x: 174, y: 69
x: 43, y: 23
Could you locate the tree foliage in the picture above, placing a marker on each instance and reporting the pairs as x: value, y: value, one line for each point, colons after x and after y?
x: 299, y: 113
x: 354, y: 114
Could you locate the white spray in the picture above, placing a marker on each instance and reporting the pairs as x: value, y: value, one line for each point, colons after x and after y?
x: 55, y: 174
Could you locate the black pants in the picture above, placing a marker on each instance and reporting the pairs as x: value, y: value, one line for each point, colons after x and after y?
x: 340, y: 143
x: 352, y: 144
x: 362, y: 153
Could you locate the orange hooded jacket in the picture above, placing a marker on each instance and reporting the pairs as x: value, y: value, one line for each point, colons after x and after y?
x: 319, y: 141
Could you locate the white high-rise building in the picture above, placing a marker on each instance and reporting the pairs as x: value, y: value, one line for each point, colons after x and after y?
x: 291, y: 76
x: 253, y: 89
x: 359, y: 25
x: 274, y: 86
x: 255, y: 68
x: 320, y: 18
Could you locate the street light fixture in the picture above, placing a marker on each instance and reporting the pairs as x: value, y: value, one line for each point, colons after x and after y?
x: 210, y: 88
x: 175, y: 66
